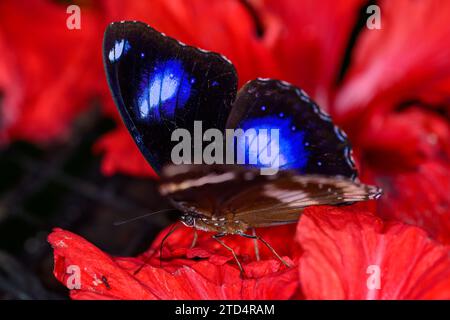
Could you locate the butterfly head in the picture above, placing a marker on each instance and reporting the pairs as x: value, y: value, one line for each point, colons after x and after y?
x: 188, y: 220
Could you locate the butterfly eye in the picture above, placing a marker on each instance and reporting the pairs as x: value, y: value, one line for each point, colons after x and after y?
x: 188, y: 220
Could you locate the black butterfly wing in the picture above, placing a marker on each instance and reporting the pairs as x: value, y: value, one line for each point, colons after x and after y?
x: 309, y: 142
x: 160, y: 84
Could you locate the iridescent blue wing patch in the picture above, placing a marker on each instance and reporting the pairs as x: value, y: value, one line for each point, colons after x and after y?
x: 308, y: 141
x: 160, y: 84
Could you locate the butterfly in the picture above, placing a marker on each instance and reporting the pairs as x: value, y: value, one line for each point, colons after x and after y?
x: 160, y: 84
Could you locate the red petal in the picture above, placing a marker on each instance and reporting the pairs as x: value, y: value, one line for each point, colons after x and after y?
x: 51, y: 71
x: 178, y: 245
x: 400, y: 141
x: 122, y: 155
x: 405, y: 60
x: 313, y: 41
x: 406, y: 153
x: 201, y: 280
x: 70, y: 249
x: 207, y: 281
x: 11, y: 94
x: 419, y: 197
x: 341, y: 243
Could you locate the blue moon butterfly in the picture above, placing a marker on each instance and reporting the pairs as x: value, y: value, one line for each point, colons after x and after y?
x: 160, y: 84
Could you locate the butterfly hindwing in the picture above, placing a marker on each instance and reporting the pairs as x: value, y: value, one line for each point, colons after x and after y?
x: 160, y: 84
x: 282, y: 199
x: 309, y: 142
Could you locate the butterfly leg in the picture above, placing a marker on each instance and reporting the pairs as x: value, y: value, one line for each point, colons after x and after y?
x: 194, y: 240
x: 255, y: 244
x: 172, y: 229
x: 219, y: 235
x: 254, y: 236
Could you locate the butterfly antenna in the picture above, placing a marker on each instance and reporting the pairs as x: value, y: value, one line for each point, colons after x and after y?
x: 119, y: 223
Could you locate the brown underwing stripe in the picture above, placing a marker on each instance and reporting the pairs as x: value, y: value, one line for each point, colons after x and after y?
x: 212, y: 178
x: 344, y: 186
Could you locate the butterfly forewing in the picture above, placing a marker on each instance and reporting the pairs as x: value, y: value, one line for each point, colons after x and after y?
x: 160, y: 84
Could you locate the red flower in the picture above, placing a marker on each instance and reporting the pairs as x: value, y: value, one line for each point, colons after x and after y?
x: 346, y: 250
x: 405, y: 153
x: 103, y: 277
